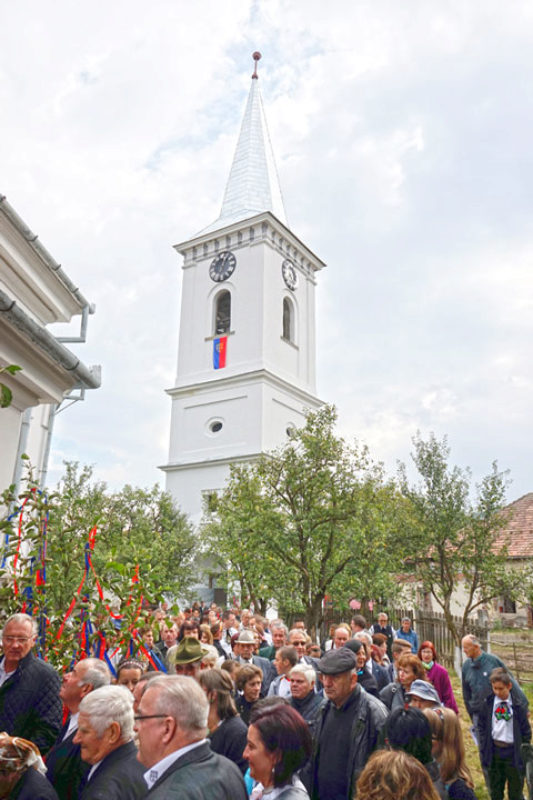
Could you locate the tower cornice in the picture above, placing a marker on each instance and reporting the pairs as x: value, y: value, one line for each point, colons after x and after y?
x: 254, y: 230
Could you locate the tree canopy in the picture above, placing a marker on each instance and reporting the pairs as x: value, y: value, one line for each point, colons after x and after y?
x: 82, y: 558
x: 312, y: 519
x: 455, y: 548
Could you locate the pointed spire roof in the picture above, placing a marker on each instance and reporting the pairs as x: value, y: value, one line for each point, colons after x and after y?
x: 253, y: 184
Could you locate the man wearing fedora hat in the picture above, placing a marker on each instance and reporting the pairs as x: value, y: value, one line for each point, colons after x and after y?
x: 346, y: 732
x: 186, y: 657
x: 244, y: 654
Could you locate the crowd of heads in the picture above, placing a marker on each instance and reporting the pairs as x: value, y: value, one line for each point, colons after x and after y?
x: 212, y: 672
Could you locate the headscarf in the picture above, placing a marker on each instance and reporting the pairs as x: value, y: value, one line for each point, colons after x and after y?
x: 17, y: 755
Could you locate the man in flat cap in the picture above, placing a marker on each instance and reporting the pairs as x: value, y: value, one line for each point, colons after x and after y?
x: 346, y: 732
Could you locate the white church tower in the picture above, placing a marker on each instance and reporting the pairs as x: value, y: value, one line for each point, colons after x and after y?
x: 246, y: 356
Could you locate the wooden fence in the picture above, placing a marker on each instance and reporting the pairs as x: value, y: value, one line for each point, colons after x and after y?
x: 429, y: 625
x: 516, y: 653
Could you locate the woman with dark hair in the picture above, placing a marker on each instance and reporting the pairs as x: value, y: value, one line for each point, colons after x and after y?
x: 437, y: 674
x: 409, y: 669
x: 227, y: 731
x: 248, y: 682
x: 278, y: 745
x: 394, y: 775
x: 408, y: 729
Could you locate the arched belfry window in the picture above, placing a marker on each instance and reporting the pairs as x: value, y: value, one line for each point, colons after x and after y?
x: 222, y: 312
x: 288, y: 320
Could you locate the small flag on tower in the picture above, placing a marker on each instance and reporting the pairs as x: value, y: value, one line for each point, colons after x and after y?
x: 219, y: 352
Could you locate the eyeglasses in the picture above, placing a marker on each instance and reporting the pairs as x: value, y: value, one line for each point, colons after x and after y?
x: 139, y: 717
x: 16, y: 639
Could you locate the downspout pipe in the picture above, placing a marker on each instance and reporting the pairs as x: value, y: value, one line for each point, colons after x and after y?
x: 90, y: 377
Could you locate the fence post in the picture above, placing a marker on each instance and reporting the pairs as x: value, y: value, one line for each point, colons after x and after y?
x: 516, y: 667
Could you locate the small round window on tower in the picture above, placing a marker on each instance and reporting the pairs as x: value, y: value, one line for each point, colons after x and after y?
x: 215, y: 427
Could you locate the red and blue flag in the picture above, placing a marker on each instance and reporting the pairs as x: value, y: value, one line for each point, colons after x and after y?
x: 220, y: 346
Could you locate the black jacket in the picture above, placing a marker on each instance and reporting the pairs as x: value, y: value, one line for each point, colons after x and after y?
x: 29, y: 703
x: 33, y: 786
x: 200, y: 774
x: 118, y: 777
x: 521, y: 729
x: 369, y: 716
x: 229, y: 740
x: 64, y: 768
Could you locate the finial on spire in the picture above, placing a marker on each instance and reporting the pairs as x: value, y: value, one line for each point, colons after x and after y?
x: 256, y: 56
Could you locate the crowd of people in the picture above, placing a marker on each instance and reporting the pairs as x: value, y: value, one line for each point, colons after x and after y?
x: 226, y: 705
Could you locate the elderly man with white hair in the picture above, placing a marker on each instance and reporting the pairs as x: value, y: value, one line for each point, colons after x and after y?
x: 105, y: 736
x: 303, y: 696
x: 172, y: 726
x: 64, y: 767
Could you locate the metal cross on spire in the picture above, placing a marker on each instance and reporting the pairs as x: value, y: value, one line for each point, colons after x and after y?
x: 253, y: 183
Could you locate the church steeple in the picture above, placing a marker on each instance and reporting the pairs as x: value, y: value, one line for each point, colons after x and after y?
x: 253, y: 184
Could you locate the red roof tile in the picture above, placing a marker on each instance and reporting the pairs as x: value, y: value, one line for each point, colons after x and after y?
x: 518, y: 532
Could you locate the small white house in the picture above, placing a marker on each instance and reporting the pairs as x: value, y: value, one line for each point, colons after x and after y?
x: 34, y: 293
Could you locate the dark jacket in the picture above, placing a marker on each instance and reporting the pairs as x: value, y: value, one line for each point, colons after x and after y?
x: 200, y: 774
x: 369, y: 716
x: 267, y: 668
x: 367, y: 681
x: 118, y: 777
x: 29, y: 703
x: 244, y: 708
x: 475, y: 680
x: 381, y: 675
x: 229, y: 740
x: 393, y: 696
x: 521, y: 729
x: 64, y: 768
x: 33, y: 786
x: 308, y: 707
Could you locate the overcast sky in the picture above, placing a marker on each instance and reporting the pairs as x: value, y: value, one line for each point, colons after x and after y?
x: 403, y: 138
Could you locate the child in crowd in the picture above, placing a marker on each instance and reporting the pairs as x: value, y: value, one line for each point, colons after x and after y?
x: 503, y: 727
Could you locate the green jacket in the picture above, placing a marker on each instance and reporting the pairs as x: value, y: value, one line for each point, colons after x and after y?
x: 476, y: 681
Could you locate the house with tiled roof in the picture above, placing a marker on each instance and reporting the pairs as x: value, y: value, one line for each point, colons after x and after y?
x: 517, y: 536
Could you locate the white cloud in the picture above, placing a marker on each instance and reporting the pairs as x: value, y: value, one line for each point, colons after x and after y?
x: 401, y: 132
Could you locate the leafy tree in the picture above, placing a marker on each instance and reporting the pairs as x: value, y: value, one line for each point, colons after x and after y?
x: 85, y: 561
x: 311, y: 519
x: 454, y: 541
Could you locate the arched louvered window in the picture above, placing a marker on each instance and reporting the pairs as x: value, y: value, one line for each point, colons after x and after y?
x: 288, y: 320
x: 222, y: 312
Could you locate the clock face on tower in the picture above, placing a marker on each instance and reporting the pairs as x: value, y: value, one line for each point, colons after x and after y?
x: 290, y: 275
x: 222, y: 266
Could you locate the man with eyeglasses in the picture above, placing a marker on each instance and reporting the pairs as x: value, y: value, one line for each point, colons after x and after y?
x: 171, y: 725
x: 29, y: 688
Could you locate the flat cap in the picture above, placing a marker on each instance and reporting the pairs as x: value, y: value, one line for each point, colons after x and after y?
x: 336, y: 661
